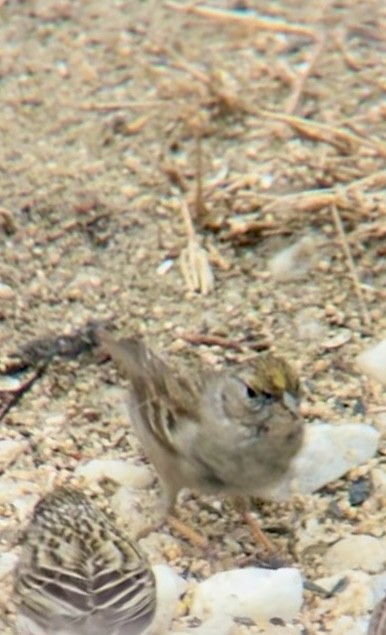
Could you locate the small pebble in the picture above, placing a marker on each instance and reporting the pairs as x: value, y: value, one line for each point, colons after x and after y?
x: 8, y: 562
x: 294, y: 262
x: 165, y: 266
x: 6, y: 292
x: 371, y: 362
x: 9, y: 451
x: 359, y: 491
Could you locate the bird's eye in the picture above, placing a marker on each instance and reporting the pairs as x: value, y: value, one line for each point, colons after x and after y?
x: 252, y: 394
x: 261, y: 397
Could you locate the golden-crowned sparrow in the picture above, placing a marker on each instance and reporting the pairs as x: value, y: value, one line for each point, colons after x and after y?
x: 78, y: 574
x: 230, y: 432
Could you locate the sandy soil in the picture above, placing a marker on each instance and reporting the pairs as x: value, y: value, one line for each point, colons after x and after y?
x: 104, y: 108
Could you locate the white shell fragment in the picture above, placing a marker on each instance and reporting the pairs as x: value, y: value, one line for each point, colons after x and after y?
x: 294, y: 262
x: 328, y: 452
x: 357, y: 552
x: 371, y: 362
x: 123, y: 472
x: 258, y: 594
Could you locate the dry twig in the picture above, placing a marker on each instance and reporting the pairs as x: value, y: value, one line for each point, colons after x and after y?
x: 304, y: 75
x: 222, y: 342
x: 12, y: 397
x: 122, y: 105
x: 248, y: 19
x: 351, y: 265
x: 345, y: 141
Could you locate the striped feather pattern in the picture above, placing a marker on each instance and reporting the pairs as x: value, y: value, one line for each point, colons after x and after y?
x: 79, y: 573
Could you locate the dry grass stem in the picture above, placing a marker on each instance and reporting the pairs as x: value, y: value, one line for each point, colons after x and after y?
x: 243, y: 19
x: 351, y: 265
x: 212, y: 340
x: 194, y: 262
x: 343, y: 140
x: 122, y: 105
x: 300, y: 83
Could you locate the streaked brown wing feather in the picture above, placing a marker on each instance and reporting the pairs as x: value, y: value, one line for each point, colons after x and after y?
x: 77, y: 570
x: 163, y: 396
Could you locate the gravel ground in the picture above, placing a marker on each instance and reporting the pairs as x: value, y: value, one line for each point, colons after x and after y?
x: 136, y: 138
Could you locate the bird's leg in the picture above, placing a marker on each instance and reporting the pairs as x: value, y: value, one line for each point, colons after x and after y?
x: 186, y: 531
x: 242, y: 506
x: 178, y: 525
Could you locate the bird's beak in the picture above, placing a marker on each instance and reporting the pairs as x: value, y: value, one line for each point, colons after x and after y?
x: 291, y: 403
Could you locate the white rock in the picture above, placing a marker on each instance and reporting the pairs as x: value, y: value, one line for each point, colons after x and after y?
x: 355, y: 599
x: 10, y: 384
x: 260, y: 594
x: 224, y: 625
x: 11, y: 490
x: 356, y: 552
x: 347, y: 625
x: 9, y: 451
x: 123, y: 472
x: 170, y: 587
x: 309, y: 327
x: 378, y: 478
x: 294, y: 262
x: 328, y: 452
x: 8, y: 562
x: 126, y: 502
x: 165, y: 266
x: 24, y: 505
x: 378, y: 585
x: 371, y: 362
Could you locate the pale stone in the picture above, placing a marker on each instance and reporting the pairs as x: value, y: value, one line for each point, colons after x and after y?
x: 127, y: 504
x: 378, y: 585
x: 347, y: 625
x: 222, y: 624
x: 10, y: 384
x: 356, y: 552
x: 371, y: 362
x: 328, y: 452
x: 8, y: 562
x: 123, y: 472
x: 294, y: 262
x: 9, y: 451
x: 356, y: 598
x: 170, y: 587
x: 165, y: 266
x: 6, y: 292
x: 258, y: 594
x: 11, y: 490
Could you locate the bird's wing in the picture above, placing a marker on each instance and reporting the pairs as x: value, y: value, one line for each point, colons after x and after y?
x: 164, y: 397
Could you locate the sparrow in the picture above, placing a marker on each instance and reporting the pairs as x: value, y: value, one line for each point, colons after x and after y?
x: 78, y: 574
x: 230, y: 432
